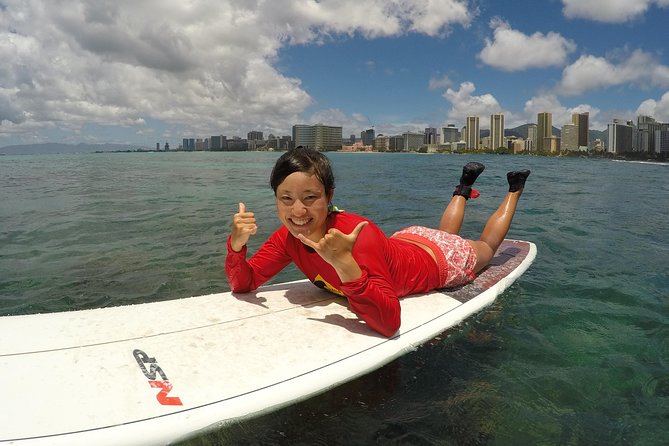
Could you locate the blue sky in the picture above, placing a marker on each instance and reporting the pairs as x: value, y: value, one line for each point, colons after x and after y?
x: 160, y: 70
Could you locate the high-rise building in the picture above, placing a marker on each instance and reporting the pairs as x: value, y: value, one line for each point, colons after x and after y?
x: 496, y: 131
x: 431, y: 136
x: 450, y: 133
x: 531, y: 141
x: 569, y: 137
x: 662, y: 140
x: 254, y: 135
x: 620, y: 136
x: 412, y: 140
x: 217, y: 142
x: 544, y: 129
x: 552, y: 144
x: 472, y: 132
x: 582, y: 123
x: 319, y: 136
x: 646, y: 128
x: 396, y: 143
x: 367, y: 137
x: 382, y: 143
x: 286, y: 142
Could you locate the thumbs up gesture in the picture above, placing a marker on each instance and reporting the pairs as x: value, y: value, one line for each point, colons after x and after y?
x: 243, y: 227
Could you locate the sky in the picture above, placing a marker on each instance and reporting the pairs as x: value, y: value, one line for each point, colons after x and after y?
x: 148, y: 71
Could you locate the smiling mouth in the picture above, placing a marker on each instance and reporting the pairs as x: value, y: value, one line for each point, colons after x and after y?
x: 300, y: 221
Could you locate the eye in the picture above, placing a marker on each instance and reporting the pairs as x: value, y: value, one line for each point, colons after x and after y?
x: 285, y: 199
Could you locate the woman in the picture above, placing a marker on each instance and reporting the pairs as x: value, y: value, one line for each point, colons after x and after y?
x: 349, y: 255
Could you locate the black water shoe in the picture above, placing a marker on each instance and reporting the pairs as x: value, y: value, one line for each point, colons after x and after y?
x: 517, y: 179
x: 470, y: 173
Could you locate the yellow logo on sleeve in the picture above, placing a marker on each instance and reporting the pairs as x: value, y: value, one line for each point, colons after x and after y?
x: 322, y: 283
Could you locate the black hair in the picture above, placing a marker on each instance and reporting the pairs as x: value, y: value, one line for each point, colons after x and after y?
x: 303, y: 159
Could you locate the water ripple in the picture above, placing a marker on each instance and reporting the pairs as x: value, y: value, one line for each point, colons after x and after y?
x: 576, y: 352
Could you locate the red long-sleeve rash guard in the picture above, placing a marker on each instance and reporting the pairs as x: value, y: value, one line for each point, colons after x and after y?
x: 391, y: 268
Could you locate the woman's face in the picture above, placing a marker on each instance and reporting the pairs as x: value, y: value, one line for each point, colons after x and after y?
x: 302, y: 205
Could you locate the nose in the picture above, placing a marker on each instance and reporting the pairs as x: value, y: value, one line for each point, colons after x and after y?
x: 299, y: 208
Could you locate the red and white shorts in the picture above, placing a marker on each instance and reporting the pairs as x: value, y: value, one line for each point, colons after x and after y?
x: 456, y: 259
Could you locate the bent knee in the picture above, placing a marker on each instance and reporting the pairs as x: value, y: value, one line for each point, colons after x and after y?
x: 484, y: 254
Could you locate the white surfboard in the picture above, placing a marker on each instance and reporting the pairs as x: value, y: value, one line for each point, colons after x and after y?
x: 159, y: 372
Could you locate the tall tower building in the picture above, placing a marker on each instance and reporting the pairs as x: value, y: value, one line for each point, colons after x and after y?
x: 472, y: 133
x: 620, y: 136
x: 496, y: 130
x: 544, y: 129
x: 662, y: 140
x: 367, y: 137
x: 581, y: 121
x: 646, y: 128
x: 531, y: 142
x: 569, y: 137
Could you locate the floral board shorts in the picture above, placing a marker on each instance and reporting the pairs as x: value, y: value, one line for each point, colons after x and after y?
x: 456, y: 259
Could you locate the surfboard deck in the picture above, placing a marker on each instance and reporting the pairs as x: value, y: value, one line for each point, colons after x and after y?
x: 159, y: 372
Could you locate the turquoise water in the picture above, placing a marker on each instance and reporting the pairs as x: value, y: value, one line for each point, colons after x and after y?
x: 576, y: 352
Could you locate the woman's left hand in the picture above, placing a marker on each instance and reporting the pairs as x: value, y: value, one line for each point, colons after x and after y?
x: 336, y: 248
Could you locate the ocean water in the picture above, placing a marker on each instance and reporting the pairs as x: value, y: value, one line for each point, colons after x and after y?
x: 576, y: 352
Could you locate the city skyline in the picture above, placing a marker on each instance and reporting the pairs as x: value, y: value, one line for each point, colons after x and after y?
x: 647, y: 135
x: 156, y: 71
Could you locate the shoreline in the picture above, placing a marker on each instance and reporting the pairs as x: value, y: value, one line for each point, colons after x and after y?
x: 632, y: 157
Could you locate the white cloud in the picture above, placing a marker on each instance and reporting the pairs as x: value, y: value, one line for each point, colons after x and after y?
x: 609, y: 11
x: 592, y: 72
x: 203, y: 66
x: 309, y: 20
x: 434, y: 17
x: 511, y: 50
x: 335, y: 116
x: 657, y: 109
x: 464, y: 103
x: 438, y: 83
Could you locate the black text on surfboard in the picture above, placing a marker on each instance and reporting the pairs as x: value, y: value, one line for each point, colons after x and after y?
x: 154, y: 369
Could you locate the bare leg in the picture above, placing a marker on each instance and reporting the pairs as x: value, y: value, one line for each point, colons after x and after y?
x: 499, y: 222
x: 454, y: 214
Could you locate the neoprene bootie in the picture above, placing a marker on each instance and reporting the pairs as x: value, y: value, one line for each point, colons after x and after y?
x: 470, y: 173
x: 517, y: 179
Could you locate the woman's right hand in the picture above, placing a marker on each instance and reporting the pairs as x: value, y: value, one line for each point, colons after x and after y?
x: 243, y: 227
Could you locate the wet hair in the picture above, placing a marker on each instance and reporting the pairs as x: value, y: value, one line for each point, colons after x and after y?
x: 303, y: 159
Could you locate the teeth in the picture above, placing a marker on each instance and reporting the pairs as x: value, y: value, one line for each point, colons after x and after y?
x: 300, y: 222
